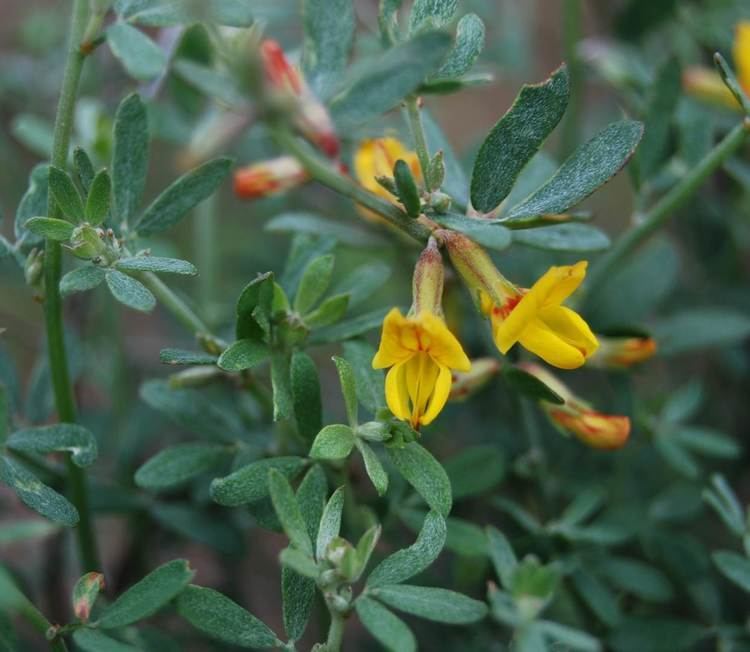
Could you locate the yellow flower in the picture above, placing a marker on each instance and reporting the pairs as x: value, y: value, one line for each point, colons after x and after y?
x: 375, y: 158
x: 741, y: 52
x: 537, y: 319
x: 421, y: 352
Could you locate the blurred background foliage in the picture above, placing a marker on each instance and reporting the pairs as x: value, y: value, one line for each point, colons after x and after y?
x: 628, y: 535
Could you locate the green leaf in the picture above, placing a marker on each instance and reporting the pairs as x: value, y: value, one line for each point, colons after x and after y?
x: 584, y: 505
x: 502, y: 556
x: 183, y: 195
x: 92, y: 640
x: 129, y: 158
x: 210, y: 82
x: 302, y: 222
x: 50, y: 227
x: 26, y: 529
x: 589, y: 167
x: 209, y: 528
x: 314, y: 282
x: 36, y: 495
x: 33, y: 202
x: 140, y: 56
x: 288, y: 510
x: 350, y: 328
x: 389, y: 630
x: 129, y: 291
x: 706, y: 441
x: 297, y: 595
x: 308, y: 410
x: 469, y: 45
x: 281, y: 384
x: 66, y: 195
x: 406, y: 189
x: 223, y: 619
x: 408, y: 562
x: 299, y: 562
x: 701, y: 328
x: 487, y: 233
x: 475, y: 470
x: 334, y: 442
x: 348, y: 388
x: 431, y: 14
x: 515, y: 139
x: 734, y: 567
x: 177, y: 465
x: 465, y: 538
x: 374, y: 467
x: 60, y: 437
x: 147, y: 596
x: 83, y: 169
x: 730, y: 80
x: 368, y: 382
x: 97, y: 202
x: 637, y: 578
x: 243, y: 354
x: 423, y: 472
x: 250, y: 483
x: 440, y: 605
x: 329, y: 34
x: 385, y: 81
x: 254, y: 308
x: 330, y: 522
x: 569, y: 638
x: 724, y: 501
x: 156, y: 264
x: 649, y: 634
x: 529, y: 385
x: 598, y: 597
x: 161, y: 13
x: 183, y: 357
x: 329, y: 312
x: 564, y: 237
x: 85, y: 593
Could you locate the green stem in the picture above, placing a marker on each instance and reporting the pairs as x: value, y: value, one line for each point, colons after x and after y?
x: 571, y: 36
x: 322, y: 172
x: 36, y: 619
x: 420, y: 141
x: 166, y: 297
x: 58, y: 362
x: 335, y: 632
x: 665, y: 207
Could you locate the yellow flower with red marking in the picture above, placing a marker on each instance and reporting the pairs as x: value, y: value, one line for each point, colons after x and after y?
x: 578, y: 418
x: 420, y: 349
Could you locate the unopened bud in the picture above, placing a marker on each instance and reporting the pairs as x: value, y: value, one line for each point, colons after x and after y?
x: 269, y: 178
x: 195, y: 376
x: 467, y: 383
x: 427, y: 282
x: 440, y: 202
x: 85, y: 593
x: 622, y: 352
x: 86, y: 242
x: 374, y: 431
x: 34, y: 268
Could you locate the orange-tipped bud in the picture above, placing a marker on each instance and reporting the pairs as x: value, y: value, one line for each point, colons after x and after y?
x: 623, y: 352
x: 427, y: 282
x: 85, y: 593
x: 281, y: 74
x: 466, y: 383
x: 269, y: 178
x: 576, y: 417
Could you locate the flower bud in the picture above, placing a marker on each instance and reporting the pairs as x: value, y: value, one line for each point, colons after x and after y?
x: 85, y: 593
x: 198, y: 376
x: 623, y: 352
x: 427, y: 282
x: 466, y: 383
x: 269, y: 177
x: 86, y: 242
x: 34, y: 268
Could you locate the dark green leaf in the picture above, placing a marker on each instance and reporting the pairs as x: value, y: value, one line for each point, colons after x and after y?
x: 440, y: 605
x: 37, y: 495
x: 636, y: 577
x: 502, y: 556
x: 656, y: 635
x: 129, y: 158
x: 334, y: 442
x: 408, y: 562
x: 148, y: 595
x: 210, y: 529
x: 308, y: 410
x: 183, y: 357
x: 368, y: 382
x: 515, y: 139
x: 140, y: 56
x: 178, y: 465
x: 389, y: 630
x: 348, y: 388
x: 373, y: 467
x: 529, y: 385
x: 219, y: 617
x: 297, y: 594
x: 423, y: 472
x: 564, y: 237
x: 475, y: 470
x: 406, y: 189
x: 299, y: 562
x: 289, y: 512
x: 598, y: 597
x: 385, y: 81
x: 734, y: 567
x: 465, y: 538
x: 490, y: 234
x: 182, y: 195
x: 589, y: 167
x: 60, y: 437
x: 250, y: 483
x: 330, y: 522
x: 314, y: 282
x: 469, y: 45
x: 49, y: 227
x: 329, y: 312
x: 66, y: 195
x: 254, y: 308
x: 283, y: 403
x: 97, y: 202
x: 33, y: 203
x: 701, y: 328
x: 431, y: 14
x: 243, y: 354
x: 157, y: 264
x: 83, y: 169
x: 129, y: 291
x: 329, y: 33
x: 571, y: 639
x: 92, y: 640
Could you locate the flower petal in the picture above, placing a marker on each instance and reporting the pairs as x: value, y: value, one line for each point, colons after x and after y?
x: 445, y: 349
x: 558, y: 283
x: 570, y: 326
x: 391, y: 350
x: 741, y: 52
x: 396, y: 392
x: 421, y: 374
x: 440, y: 395
x: 545, y: 343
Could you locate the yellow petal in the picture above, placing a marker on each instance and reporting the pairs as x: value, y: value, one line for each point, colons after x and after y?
x: 444, y: 347
x: 741, y: 53
x: 559, y: 283
x: 439, y: 395
x: 545, y: 343
x: 570, y: 327
x: 396, y: 392
x: 392, y: 350
x: 506, y: 332
x: 421, y: 374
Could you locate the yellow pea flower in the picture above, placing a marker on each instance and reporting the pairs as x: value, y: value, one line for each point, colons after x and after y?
x: 741, y: 53
x: 535, y: 318
x: 376, y: 157
x: 578, y: 418
x: 420, y: 349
